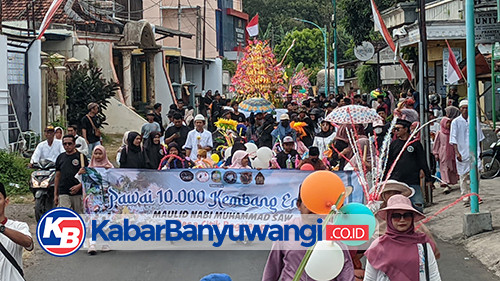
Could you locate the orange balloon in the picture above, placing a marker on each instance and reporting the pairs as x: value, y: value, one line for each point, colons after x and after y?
x: 307, y: 167
x: 320, y: 191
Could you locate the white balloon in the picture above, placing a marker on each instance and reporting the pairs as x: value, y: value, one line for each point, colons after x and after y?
x: 326, y: 261
x: 227, y: 152
x: 259, y: 164
x: 251, y: 148
x: 265, y: 153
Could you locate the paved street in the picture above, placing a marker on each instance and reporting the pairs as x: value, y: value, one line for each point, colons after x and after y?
x: 455, y: 265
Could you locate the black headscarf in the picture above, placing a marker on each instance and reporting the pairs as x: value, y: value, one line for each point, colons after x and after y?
x: 132, y: 156
x: 152, y: 151
x: 326, y: 134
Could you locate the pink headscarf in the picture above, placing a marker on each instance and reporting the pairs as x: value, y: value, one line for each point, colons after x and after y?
x: 396, y: 253
x: 103, y: 163
x: 236, y: 160
x: 442, y: 125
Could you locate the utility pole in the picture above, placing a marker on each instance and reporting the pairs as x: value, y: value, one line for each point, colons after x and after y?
x: 179, y: 13
x: 204, y: 43
x: 198, y: 31
x: 334, y: 3
x: 422, y: 88
x: 470, y: 47
x: 329, y: 54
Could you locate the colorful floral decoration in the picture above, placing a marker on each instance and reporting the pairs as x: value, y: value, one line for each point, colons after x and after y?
x: 258, y: 74
x: 298, y: 85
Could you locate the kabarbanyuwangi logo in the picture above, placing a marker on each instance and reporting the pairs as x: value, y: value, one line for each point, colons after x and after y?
x: 61, y: 232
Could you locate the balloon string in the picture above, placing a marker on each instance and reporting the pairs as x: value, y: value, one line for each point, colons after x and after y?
x: 446, y: 208
x: 357, y: 173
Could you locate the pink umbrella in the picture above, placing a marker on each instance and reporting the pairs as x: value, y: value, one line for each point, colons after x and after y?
x: 353, y: 114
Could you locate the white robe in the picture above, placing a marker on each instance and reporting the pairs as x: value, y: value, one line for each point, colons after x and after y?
x: 459, y: 135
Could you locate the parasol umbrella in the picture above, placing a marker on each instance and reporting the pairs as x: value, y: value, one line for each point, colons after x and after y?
x: 256, y: 105
x: 353, y: 114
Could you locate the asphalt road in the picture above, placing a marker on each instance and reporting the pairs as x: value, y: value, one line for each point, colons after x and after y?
x: 455, y: 264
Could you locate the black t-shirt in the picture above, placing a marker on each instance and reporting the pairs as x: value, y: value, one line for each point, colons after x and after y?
x: 282, y: 157
x: 69, y: 165
x: 158, y: 119
x: 87, y: 125
x: 240, y: 118
x: 412, y: 160
x: 183, y: 132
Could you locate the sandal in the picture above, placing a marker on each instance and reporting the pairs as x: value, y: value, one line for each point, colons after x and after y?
x: 105, y: 248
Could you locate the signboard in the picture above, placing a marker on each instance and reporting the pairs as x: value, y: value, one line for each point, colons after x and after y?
x: 194, y: 191
x: 239, y: 31
x: 487, y: 29
x: 340, y: 77
x: 458, y: 56
x: 365, y: 51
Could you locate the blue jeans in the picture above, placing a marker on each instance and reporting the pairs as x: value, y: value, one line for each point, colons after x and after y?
x: 417, y: 200
x: 91, y: 148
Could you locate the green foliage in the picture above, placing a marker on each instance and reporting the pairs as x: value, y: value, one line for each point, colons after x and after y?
x: 59, y: 123
x: 367, y: 77
x: 356, y: 17
x: 281, y: 13
x: 229, y: 66
x: 13, y: 170
x: 308, y: 48
x: 85, y: 84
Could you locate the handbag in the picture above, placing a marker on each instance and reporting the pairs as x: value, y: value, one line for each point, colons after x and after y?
x: 12, y: 260
x: 97, y: 132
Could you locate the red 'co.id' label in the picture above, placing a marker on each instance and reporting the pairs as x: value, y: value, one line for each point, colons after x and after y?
x: 347, y: 232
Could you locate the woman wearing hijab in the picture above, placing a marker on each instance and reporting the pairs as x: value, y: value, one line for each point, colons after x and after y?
x: 153, y: 150
x: 122, y: 147
x: 132, y: 155
x: 452, y: 112
x: 58, y: 133
x: 175, y: 159
x: 323, y: 139
x: 99, y: 160
x: 342, y: 144
x: 237, y: 146
x: 445, y: 154
x: 401, y: 254
x: 240, y: 160
x: 264, y: 132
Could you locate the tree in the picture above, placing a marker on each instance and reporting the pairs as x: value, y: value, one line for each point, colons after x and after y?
x: 356, y: 17
x: 308, y: 48
x: 367, y: 77
x: 85, y: 84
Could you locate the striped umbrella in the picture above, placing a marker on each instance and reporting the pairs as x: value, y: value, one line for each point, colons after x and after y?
x: 256, y: 105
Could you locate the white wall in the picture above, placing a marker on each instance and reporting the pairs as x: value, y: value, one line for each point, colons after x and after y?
x: 101, y: 52
x: 162, y: 90
x: 4, y: 93
x: 35, y: 86
x: 214, y: 76
x: 121, y: 118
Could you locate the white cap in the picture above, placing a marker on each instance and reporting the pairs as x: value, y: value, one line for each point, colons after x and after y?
x: 463, y: 102
x: 199, y: 117
x: 284, y: 116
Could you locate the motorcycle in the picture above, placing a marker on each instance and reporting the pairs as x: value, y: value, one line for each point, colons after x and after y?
x: 42, y: 186
x: 491, y: 160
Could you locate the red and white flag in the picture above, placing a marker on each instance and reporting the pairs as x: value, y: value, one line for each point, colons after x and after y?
x: 379, y: 23
x: 253, y: 26
x: 48, y: 17
x: 453, y: 74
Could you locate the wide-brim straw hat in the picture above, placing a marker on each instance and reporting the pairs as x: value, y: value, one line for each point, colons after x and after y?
x: 400, y: 202
x: 401, y: 187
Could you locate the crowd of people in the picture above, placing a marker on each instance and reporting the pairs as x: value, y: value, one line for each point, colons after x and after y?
x: 300, y: 138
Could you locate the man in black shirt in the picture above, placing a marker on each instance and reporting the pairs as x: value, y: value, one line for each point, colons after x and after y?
x: 412, y: 166
x: 90, y: 127
x: 67, y: 189
x: 287, y: 158
x: 178, y: 132
x: 158, y: 119
x: 236, y: 115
